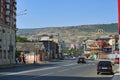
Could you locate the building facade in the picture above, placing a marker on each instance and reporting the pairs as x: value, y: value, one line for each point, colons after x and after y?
x: 7, y: 31
x: 31, y: 51
x: 104, y: 47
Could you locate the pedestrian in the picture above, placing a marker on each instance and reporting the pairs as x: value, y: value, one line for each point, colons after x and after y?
x: 19, y: 59
x: 24, y: 59
x: 16, y: 60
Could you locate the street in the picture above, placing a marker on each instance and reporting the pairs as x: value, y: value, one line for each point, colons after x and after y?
x: 55, y: 70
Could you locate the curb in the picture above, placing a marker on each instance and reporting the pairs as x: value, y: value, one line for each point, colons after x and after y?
x: 12, y: 65
x: 20, y: 65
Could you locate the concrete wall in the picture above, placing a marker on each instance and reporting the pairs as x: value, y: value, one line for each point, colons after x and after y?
x: 7, y: 36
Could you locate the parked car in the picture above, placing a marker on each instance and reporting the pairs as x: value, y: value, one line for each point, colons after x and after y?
x: 81, y: 60
x: 104, y: 67
x: 116, y: 61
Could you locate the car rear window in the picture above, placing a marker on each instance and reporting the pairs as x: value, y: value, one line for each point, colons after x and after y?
x: 81, y: 58
x: 104, y: 63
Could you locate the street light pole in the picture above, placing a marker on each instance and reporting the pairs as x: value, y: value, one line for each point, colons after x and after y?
x: 84, y: 47
x: 10, y: 46
x: 119, y: 28
x: 34, y: 52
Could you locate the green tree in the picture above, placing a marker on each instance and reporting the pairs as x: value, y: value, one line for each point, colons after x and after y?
x: 17, y: 54
x: 21, y: 39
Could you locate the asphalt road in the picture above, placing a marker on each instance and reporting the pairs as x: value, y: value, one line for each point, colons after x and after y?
x: 56, y: 70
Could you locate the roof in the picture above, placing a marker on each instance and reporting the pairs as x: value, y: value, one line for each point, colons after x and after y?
x: 29, y: 46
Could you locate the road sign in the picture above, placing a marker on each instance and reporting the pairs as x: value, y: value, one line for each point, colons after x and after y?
x: 36, y: 46
x: 27, y: 50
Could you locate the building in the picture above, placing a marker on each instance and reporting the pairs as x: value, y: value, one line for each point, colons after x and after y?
x: 103, y: 47
x: 51, y: 46
x: 31, y: 51
x: 56, y: 41
x: 7, y: 31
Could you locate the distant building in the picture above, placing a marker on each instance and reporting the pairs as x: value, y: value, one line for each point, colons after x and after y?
x: 7, y: 31
x: 75, y: 46
x: 32, y: 51
x: 56, y: 42
x: 103, y: 47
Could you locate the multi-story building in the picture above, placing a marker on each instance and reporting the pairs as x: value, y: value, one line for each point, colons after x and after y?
x: 7, y: 31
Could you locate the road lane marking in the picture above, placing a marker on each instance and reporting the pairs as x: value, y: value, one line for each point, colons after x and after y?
x: 28, y: 71
x: 15, y: 73
x: 63, y: 70
x: 47, y: 68
x: 70, y: 64
x: 5, y: 74
x: 42, y: 75
x: 33, y: 70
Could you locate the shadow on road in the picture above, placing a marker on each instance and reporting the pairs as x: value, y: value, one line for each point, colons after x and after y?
x: 28, y: 77
x: 107, y: 73
x: 25, y: 67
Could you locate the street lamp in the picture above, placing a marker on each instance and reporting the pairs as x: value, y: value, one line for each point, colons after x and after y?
x: 10, y: 44
x: 35, y: 47
x: 119, y: 27
x: 84, y: 44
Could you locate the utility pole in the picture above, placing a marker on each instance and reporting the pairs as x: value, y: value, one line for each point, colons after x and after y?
x: 10, y: 47
x: 119, y: 29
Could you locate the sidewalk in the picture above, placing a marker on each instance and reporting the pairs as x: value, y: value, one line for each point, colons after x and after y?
x: 20, y: 65
x: 13, y: 65
x: 26, y: 64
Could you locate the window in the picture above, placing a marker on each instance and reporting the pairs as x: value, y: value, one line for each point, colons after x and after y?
x: 4, y: 54
x: 7, y: 6
x: 3, y: 31
x: 7, y: 19
x: 0, y: 53
x: 7, y: 12
x: 7, y: 0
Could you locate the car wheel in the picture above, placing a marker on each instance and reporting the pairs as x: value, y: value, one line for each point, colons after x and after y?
x: 112, y: 73
x: 98, y: 73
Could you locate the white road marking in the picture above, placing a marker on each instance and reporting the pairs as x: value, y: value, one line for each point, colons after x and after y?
x: 70, y: 64
x: 7, y: 74
x: 42, y: 75
x: 63, y: 70
x: 45, y: 69
x: 28, y: 71
x: 32, y: 70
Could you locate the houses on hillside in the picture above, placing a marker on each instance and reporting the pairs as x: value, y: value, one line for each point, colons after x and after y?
x: 102, y: 47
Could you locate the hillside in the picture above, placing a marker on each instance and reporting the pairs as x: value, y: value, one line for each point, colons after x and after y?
x: 71, y: 33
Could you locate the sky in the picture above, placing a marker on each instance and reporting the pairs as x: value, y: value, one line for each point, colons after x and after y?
x: 59, y: 13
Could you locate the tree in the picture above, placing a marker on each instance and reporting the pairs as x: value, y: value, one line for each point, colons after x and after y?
x: 21, y: 39
x: 17, y: 54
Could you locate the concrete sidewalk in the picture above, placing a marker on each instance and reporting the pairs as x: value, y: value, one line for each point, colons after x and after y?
x: 26, y: 64
x: 21, y: 64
